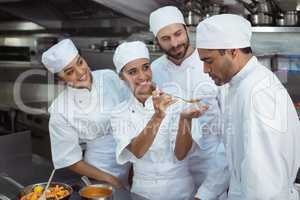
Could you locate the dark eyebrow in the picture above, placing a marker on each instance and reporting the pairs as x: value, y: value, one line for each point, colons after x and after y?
x: 68, y: 69
x: 130, y: 69
x: 146, y: 64
x: 204, y: 59
x: 178, y: 31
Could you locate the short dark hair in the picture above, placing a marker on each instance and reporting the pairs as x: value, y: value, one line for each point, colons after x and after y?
x: 222, y: 51
x: 245, y: 50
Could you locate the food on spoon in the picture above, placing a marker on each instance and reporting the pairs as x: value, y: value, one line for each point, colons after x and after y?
x: 193, y: 100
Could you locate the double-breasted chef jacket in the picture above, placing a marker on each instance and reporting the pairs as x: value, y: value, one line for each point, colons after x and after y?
x: 82, y: 116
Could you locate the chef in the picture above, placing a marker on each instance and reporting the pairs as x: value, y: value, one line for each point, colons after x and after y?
x: 262, y: 124
x: 81, y: 114
x: 149, y: 132
x: 180, y: 72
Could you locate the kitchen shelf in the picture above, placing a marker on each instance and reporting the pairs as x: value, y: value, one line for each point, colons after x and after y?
x: 265, y: 29
x: 275, y: 29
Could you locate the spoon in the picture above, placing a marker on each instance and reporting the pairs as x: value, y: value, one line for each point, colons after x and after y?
x: 196, y: 100
x: 86, y: 180
x: 43, y: 196
x: 185, y: 100
x: 3, y: 197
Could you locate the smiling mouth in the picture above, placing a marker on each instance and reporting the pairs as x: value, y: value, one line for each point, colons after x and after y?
x: 145, y: 83
x: 83, y: 77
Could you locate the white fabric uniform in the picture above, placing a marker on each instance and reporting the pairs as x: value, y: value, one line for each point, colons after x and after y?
x: 208, y: 163
x: 158, y: 174
x: 83, y: 116
x: 263, y: 132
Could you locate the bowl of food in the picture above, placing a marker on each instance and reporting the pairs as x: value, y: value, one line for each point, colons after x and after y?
x: 96, y: 192
x: 56, y: 191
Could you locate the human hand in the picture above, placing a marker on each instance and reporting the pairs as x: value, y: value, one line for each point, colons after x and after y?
x: 161, y: 101
x: 115, y: 182
x: 191, y: 113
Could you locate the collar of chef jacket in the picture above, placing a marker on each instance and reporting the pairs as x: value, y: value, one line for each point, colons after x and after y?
x: 188, y: 62
x: 243, y: 73
x: 138, y: 105
x: 86, y: 100
x: 71, y: 99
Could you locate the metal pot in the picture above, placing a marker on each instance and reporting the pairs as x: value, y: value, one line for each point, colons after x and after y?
x: 192, y: 19
x: 262, y: 6
x: 289, y: 18
x: 280, y: 19
x: 27, y: 189
x: 86, y: 191
x: 214, y: 9
x: 261, y: 19
x: 89, y: 192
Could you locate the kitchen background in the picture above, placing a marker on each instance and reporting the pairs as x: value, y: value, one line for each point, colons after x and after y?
x: 29, y: 27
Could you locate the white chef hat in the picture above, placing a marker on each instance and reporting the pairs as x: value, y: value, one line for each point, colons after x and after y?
x: 163, y: 17
x: 226, y: 31
x: 59, y: 55
x: 129, y: 51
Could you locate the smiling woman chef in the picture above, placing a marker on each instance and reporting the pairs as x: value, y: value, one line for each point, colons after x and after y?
x: 151, y: 134
x: 81, y: 114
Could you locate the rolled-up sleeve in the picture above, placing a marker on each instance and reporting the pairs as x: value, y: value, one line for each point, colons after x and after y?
x: 123, y: 132
x: 65, y: 146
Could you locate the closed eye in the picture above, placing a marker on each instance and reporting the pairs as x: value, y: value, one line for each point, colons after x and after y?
x: 207, y: 60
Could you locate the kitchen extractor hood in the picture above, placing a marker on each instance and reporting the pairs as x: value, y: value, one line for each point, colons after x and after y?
x: 6, y: 1
x: 102, y: 14
x: 135, y: 9
x: 64, y: 14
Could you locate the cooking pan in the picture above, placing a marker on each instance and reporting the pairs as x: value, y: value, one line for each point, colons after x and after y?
x: 95, y: 191
x: 289, y: 18
x: 27, y: 189
x: 261, y: 19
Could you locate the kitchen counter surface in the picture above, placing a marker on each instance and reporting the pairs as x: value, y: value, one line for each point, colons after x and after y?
x: 10, y: 190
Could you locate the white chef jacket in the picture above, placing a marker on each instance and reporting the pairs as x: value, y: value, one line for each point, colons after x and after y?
x: 83, y: 116
x: 158, y: 170
x: 263, y: 133
x: 208, y: 163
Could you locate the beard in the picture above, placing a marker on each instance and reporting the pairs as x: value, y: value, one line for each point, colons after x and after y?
x: 225, y: 73
x: 171, y: 52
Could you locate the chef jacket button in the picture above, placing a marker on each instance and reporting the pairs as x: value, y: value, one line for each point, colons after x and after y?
x: 133, y: 111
